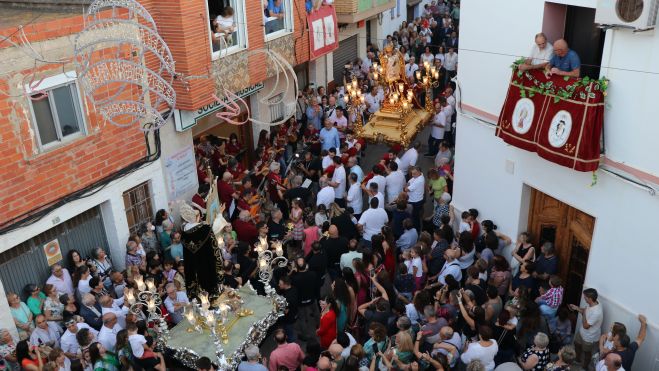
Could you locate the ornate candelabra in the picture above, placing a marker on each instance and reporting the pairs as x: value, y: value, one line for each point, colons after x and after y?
x: 355, y: 100
x: 267, y: 260
x: 428, y: 78
x: 148, y: 297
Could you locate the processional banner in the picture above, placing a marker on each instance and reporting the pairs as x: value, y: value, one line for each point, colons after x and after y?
x: 559, y: 118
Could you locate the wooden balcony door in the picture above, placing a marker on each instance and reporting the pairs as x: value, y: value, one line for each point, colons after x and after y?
x: 571, y: 231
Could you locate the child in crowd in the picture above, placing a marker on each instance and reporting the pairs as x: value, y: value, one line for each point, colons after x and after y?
x: 169, y: 272
x: 141, y: 348
x: 176, y: 248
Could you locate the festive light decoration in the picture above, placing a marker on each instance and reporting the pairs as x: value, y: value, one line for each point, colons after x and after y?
x: 355, y: 100
x: 121, y: 85
x: 231, y: 110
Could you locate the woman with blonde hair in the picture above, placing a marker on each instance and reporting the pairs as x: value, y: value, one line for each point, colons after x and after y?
x: 22, y: 316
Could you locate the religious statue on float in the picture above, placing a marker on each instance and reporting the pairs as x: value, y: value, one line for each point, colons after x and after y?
x: 394, y: 64
x: 204, y: 266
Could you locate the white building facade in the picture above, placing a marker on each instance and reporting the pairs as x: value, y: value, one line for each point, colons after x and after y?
x: 606, y: 227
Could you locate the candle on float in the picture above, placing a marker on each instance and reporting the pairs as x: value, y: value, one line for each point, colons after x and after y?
x: 139, y: 281
x: 130, y: 297
x: 418, y: 75
x: 391, y: 100
x: 263, y: 263
x: 346, y: 98
x: 409, y: 95
x: 375, y: 75
x: 150, y: 285
x: 354, y: 83
x: 401, y: 86
x: 425, y: 80
x: 151, y: 304
x: 362, y: 99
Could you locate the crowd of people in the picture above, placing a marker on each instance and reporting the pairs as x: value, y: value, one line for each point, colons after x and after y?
x: 378, y: 280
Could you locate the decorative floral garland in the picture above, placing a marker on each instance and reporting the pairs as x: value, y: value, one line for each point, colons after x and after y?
x: 581, y: 88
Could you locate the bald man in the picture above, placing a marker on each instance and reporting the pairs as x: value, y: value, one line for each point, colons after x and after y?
x: 612, y: 362
x: 108, y: 334
x: 336, y: 350
x: 541, y: 53
x: 564, y: 62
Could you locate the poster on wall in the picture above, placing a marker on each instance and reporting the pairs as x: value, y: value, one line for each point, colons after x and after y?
x: 323, y: 30
x: 53, y: 252
x: 181, y: 172
x: 559, y: 118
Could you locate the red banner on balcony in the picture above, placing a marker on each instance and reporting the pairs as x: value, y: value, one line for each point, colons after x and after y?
x: 558, y: 118
x: 323, y: 31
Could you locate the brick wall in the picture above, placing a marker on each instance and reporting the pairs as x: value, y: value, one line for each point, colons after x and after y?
x: 183, y: 24
x: 30, y: 179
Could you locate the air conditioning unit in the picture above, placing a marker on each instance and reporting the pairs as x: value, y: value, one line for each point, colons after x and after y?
x: 637, y: 14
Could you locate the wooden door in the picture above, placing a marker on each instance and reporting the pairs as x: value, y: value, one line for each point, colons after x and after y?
x: 570, y: 230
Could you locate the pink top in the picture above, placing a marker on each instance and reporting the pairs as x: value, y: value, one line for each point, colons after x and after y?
x: 288, y: 355
x: 310, y: 236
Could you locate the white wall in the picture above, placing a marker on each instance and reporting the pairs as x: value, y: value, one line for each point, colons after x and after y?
x: 622, y: 258
x: 630, y: 116
x: 389, y: 25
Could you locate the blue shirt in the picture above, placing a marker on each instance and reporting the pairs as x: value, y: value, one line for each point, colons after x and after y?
x: 274, y: 9
x: 308, y: 5
x: 314, y: 117
x: 329, y: 138
x: 566, y: 64
x: 358, y: 170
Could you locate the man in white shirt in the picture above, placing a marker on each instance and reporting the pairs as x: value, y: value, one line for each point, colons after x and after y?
x: 329, y: 158
x: 108, y: 334
x: 372, y: 101
x: 45, y: 333
x: 347, y: 258
x: 411, y: 68
x: 61, y: 280
x: 540, y: 54
x: 437, y: 129
x: 326, y: 194
x: 589, y: 330
x: 175, y: 302
x: 415, y: 189
x: 338, y: 182
x: 394, y: 182
x: 372, y: 221
x: 409, y: 158
x: 68, y: 342
x: 115, y: 306
x: 355, y: 198
x: 451, y: 62
x: 377, y: 178
x: 373, y: 192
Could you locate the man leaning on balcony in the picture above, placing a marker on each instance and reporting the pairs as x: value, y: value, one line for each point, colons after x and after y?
x: 565, y: 61
x: 541, y: 53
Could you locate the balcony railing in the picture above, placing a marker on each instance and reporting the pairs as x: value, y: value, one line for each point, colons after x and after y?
x: 352, y: 11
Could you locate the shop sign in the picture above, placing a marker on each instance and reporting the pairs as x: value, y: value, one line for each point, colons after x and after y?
x: 184, y: 120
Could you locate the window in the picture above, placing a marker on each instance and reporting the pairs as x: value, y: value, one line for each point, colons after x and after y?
x: 277, y: 107
x: 137, y: 202
x: 227, y: 26
x: 277, y: 17
x: 57, y: 114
